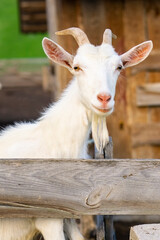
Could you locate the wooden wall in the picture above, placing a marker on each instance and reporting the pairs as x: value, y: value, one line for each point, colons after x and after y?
x: 143, y: 120
x: 32, y: 14
x: 134, y: 126
x: 25, y: 91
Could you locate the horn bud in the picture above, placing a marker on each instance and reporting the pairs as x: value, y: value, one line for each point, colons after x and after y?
x: 77, y: 33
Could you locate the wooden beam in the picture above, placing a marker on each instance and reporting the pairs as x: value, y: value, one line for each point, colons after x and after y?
x: 21, y: 79
x: 34, y: 18
x: 66, y: 13
x: 41, y: 5
x: 70, y: 188
x: 134, y: 115
x: 51, y: 10
x: 26, y: 27
x: 146, y: 134
x: 105, y: 223
x: 148, y: 95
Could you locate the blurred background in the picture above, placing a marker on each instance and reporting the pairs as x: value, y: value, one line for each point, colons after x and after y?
x: 29, y: 82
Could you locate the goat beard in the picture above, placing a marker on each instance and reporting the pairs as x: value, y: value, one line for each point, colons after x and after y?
x: 99, y: 132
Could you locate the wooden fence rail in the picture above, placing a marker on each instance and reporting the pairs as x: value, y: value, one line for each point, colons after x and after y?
x: 70, y: 188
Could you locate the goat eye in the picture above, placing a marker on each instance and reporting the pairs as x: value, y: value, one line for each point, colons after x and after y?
x: 76, y: 68
x: 119, y: 67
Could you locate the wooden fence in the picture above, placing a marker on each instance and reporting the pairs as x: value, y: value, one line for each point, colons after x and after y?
x: 70, y: 188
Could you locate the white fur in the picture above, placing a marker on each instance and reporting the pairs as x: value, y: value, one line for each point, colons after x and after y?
x: 63, y: 129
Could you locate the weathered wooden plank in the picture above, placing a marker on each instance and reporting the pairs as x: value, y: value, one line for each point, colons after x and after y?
x: 22, y: 103
x: 138, y: 23
x: 22, y: 72
x: 154, y: 115
x: 148, y: 95
x: 105, y: 223
x: 117, y: 122
x: 33, y: 5
x: 145, y: 232
x: 23, y: 79
x: 26, y: 27
x: 93, y: 22
x: 51, y: 9
x: 152, y: 21
x: 107, y: 151
x: 152, y: 63
x: 100, y: 234
x: 109, y: 228
x: 34, y: 18
x: 153, y: 32
x: 66, y: 17
x: 152, y: 87
x: 143, y: 134
x: 70, y: 188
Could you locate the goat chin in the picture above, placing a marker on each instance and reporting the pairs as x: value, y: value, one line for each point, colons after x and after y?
x: 99, y: 131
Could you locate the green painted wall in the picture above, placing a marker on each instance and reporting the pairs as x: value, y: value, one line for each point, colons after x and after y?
x: 14, y: 44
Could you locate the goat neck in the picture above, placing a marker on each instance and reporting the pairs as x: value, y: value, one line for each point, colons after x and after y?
x: 67, y: 123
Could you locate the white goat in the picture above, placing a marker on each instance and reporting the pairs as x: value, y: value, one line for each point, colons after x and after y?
x: 63, y: 130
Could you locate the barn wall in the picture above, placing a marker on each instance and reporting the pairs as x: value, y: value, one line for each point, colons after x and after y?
x: 133, y: 22
x: 25, y: 90
x: 32, y: 16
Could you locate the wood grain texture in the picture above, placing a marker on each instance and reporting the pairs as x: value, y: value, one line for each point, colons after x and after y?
x: 117, y: 122
x: 153, y: 31
x: 70, y: 188
x: 51, y: 8
x: 134, y: 25
x: 32, y: 16
x: 93, y: 22
x: 152, y: 63
x: 33, y: 5
x: 66, y: 17
x: 36, y: 18
x: 152, y: 21
x: 100, y: 233
x: 24, y: 79
x: 107, y: 151
x: 144, y: 134
x: 26, y: 27
x: 22, y: 103
x: 148, y: 95
x: 104, y: 223
x: 145, y: 232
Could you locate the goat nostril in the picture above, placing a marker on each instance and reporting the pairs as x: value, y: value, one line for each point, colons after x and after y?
x: 104, y: 98
x: 100, y: 98
x: 109, y: 98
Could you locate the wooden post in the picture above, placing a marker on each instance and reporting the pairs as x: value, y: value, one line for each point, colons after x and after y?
x: 108, y: 227
x: 105, y: 223
x: 145, y: 232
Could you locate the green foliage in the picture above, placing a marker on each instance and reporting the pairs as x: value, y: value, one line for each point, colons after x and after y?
x: 14, y: 44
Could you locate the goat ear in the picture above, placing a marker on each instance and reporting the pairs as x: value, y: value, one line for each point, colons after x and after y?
x: 56, y: 53
x: 136, y: 54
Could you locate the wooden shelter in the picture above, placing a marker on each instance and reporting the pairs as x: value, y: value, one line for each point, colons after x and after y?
x: 25, y: 92
x: 32, y: 16
x: 71, y: 188
x: 134, y: 125
x: 124, y: 186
